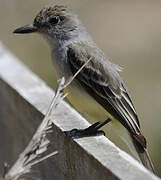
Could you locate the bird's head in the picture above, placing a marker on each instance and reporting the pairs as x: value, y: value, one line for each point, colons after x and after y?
x: 56, y: 23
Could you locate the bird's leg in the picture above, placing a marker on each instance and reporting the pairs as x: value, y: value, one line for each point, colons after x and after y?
x: 92, y: 130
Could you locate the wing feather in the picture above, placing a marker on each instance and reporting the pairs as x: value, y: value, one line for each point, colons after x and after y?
x: 102, y: 80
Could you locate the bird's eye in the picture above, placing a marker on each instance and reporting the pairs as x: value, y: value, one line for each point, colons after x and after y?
x: 54, y: 20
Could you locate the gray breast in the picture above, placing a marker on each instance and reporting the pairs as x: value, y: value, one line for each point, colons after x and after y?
x: 60, y: 62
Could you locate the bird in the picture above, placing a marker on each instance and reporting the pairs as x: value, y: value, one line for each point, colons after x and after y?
x: 98, y: 90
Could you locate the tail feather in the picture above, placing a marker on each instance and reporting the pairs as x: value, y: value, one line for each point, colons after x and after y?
x: 143, y: 153
x: 145, y: 158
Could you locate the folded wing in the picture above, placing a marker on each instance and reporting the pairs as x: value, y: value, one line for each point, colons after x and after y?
x: 102, y: 80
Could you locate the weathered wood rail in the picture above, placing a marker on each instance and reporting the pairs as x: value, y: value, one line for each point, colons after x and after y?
x: 24, y: 100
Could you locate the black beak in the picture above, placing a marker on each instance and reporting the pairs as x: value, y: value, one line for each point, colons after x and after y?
x: 26, y: 29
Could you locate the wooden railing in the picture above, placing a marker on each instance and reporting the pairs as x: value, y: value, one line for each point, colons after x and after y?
x: 24, y: 100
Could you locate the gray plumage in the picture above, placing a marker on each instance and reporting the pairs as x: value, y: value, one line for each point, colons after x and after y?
x: 71, y: 47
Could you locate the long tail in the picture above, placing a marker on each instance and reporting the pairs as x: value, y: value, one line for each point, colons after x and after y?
x: 145, y: 158
x: 142, y: 152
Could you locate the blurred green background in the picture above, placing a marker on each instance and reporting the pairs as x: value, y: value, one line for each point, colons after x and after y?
x: 129, y: 32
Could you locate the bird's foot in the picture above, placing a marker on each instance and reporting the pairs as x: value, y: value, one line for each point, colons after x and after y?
x: 92, y: 130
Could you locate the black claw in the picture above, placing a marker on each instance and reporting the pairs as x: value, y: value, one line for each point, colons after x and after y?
x: 80, y: 133
x: 93, y: 127
x: 90, y: 131
x: 74, y: 133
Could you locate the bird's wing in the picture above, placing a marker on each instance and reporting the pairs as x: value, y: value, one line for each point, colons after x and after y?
x: 102, y: 81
